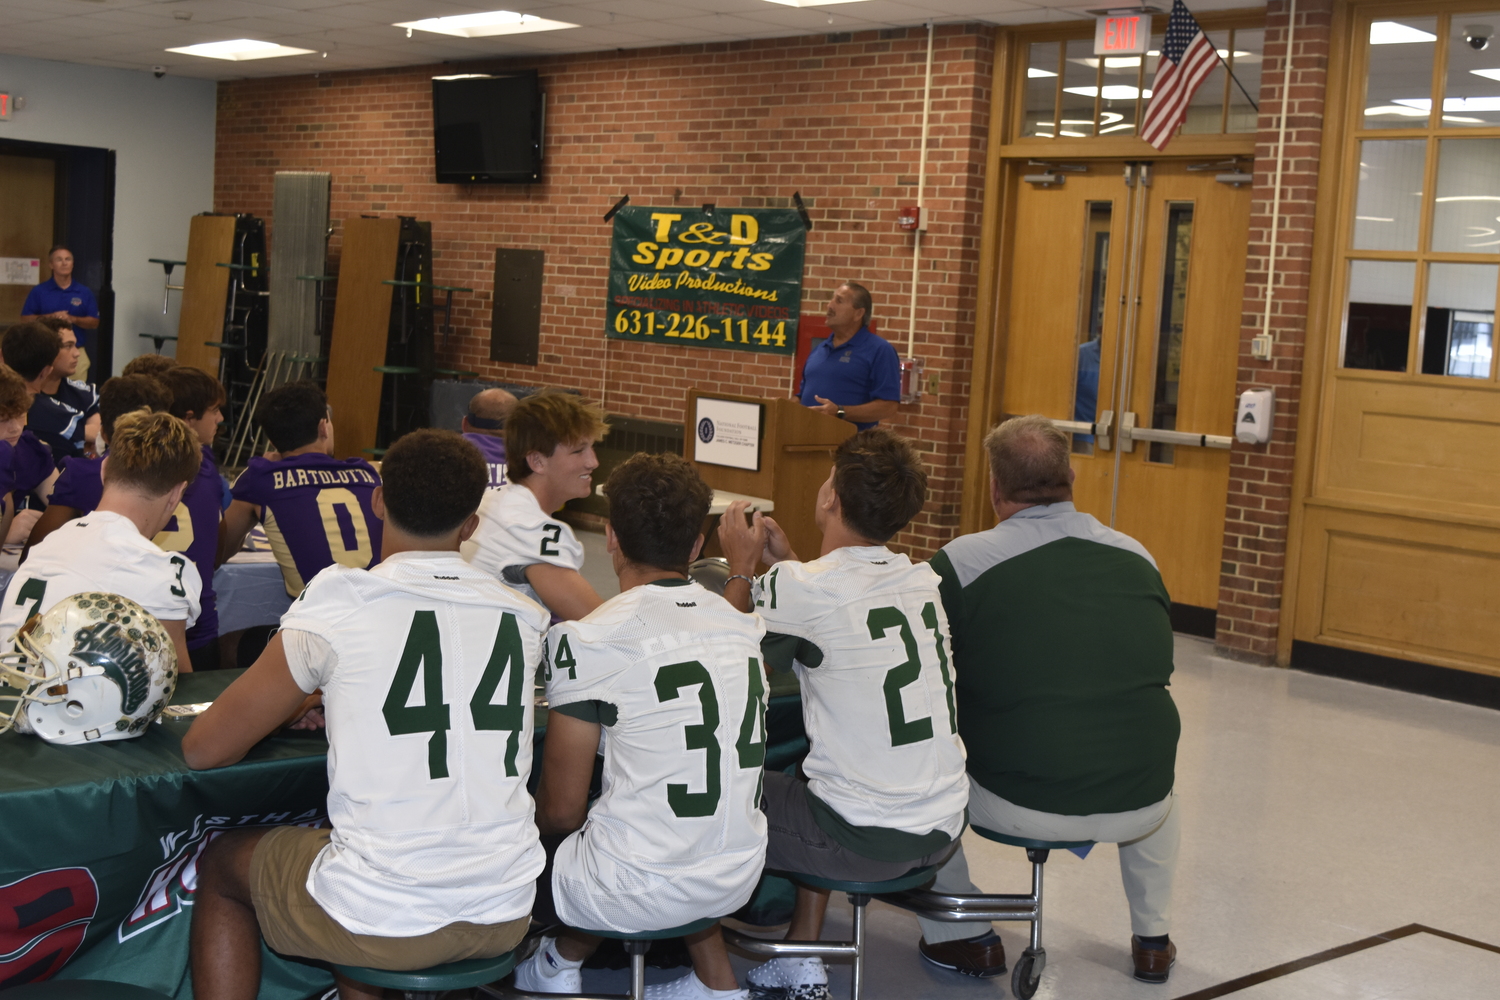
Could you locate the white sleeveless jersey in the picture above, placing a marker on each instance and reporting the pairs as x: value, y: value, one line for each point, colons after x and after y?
x: 430, y: 706
x: 514, y: 532
x: 678, y: 834
x: 101, y: 551
x: 877, y: 686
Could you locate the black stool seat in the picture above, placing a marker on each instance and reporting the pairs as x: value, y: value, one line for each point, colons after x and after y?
x: 466, y: 974
x: 81, y: 989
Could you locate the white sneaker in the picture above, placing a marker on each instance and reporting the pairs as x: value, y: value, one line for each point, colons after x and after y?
x: 690, y: 987
x: 789, y: 979
x: 546, y: 972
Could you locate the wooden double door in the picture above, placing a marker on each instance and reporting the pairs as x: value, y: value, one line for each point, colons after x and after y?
x: 1126, y: 282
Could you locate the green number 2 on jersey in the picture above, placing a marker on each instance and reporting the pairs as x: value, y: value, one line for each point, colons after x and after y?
x: 904, y: 731
x: 424, y: 652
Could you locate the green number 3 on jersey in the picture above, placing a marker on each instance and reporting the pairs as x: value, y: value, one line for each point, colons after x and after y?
x: 424, y: 652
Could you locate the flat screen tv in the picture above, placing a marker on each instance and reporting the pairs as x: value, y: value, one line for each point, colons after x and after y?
x: 487, y: 128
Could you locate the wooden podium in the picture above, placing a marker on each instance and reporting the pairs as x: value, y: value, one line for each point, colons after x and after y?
x: 796, y: 453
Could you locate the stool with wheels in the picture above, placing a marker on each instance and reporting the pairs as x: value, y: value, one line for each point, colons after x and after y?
x: 1026, y: 975
x: 428, y: 984
x: 636, y: 945
x: 860, y: 894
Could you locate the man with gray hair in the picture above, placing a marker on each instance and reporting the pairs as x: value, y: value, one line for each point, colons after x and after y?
x: 484, y: 427
x: 1062, y: 650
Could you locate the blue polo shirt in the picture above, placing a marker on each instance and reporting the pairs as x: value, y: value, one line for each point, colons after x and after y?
x: 865, y: 368
x: 48, y: 298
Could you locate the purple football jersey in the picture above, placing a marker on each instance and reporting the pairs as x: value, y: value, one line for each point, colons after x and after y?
x: 81, y: 484
x: 493, y: 450
x: 316, y: 509
x: 31, y: 461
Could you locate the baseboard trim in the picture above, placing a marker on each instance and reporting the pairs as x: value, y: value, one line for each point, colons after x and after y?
x: 1403, y: 675
x: 1190, y: 619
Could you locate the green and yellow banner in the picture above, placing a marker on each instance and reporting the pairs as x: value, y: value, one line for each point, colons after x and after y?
x: 730, y: 278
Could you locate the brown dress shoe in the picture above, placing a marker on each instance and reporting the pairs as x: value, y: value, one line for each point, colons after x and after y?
x: 983, y: 956
x: 1152, y: 965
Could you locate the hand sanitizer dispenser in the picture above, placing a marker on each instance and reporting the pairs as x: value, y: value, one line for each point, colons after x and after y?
x: 1252, y: 424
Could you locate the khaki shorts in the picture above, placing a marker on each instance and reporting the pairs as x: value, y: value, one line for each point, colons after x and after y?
x: 293, y: 923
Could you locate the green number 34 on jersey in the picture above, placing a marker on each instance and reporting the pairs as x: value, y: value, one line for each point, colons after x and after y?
x: 424, y: 653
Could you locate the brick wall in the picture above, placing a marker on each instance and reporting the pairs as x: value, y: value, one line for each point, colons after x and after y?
x: 835, y: 117
x: 1260, y: 478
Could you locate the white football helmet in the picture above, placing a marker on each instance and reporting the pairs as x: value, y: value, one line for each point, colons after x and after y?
x: 94, y: 667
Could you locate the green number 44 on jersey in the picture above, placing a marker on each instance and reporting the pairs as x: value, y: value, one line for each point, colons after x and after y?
x: 423, y: 654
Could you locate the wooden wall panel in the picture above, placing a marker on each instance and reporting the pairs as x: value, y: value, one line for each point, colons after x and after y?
x: 1415, y: 446
x: 361, y: 323
x: 205, y: 287
x: 1405, y: 587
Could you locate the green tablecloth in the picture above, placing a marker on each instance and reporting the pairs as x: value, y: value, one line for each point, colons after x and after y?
x: 100, y: 843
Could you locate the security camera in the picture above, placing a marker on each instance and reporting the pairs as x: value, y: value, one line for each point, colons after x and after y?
x: 1478, y: 36
x: 158, y: 71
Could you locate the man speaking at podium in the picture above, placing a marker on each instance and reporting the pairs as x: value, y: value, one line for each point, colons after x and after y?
x: 853, y: 375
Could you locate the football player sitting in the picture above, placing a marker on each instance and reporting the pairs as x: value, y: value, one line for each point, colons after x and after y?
x: 549, y: 445
x: 433, y: 855
x: 152, y: 459
x: 863, y: 628
x: 672, y: 673
x: 484, y: 428
x: 315, y: 508
x: 80, y: 484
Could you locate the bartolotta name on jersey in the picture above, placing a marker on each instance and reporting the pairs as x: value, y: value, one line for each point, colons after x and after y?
x: 286, y: 479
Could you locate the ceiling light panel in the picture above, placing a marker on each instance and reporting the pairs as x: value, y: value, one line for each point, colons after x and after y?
x: 495, y: 22
x: 240, y: 50
x: 811, y: 3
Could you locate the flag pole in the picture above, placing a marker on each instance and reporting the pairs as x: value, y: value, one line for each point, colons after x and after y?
x: 1223, y: 62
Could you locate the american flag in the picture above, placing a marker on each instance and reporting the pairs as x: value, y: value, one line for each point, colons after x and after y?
x: 1186, y: 60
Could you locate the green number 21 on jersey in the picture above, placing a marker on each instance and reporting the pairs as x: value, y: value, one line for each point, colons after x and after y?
x: 424, y: 653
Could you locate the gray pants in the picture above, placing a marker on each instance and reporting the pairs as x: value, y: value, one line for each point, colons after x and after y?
x: 799, y: 844
x: 1147, y: 838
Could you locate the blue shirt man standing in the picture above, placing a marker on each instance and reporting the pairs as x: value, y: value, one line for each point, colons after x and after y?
x: 61, y: 296
x: 853, y: 375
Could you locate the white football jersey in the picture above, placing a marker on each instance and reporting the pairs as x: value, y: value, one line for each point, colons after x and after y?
x: 877, y: 686
x: 514, y: 532
x: 678, y: 834
x: 430, y: 707
x: 101, y: 551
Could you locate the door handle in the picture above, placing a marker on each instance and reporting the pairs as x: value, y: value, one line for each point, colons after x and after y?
x: 1130, y: 434
x: 1099, y: 428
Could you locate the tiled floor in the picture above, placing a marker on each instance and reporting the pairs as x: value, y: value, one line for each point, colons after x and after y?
x: 1316, y: 813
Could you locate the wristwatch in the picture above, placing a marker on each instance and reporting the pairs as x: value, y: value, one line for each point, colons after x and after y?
x: 840, y: 413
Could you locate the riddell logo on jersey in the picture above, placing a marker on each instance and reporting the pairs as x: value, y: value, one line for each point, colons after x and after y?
x: 172, y: 885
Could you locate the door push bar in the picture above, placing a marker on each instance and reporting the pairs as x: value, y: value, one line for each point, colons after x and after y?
x: 1099, y: 428
x: 1130, y: 434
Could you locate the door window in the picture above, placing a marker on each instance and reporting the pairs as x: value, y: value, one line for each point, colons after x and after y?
x: 1177, y: 249
x: 1090, y: 328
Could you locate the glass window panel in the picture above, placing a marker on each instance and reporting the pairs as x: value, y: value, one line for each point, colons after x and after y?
x: 1121, y: 89
x: 1041, y: 90
x: 1472, y: 96
x: 1206, y: 109
x: 1466, y: 218
x: 1460, y: 328
x: 1388, y: 204
x: 1249, y: 45
x: 1079, y: 86
x: 1174, y: 288
x: 1377, y: 326
x: 1095, y: 277
x: 1398, y: 93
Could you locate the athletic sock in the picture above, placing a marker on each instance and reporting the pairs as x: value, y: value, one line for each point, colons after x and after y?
x: 552, y: 962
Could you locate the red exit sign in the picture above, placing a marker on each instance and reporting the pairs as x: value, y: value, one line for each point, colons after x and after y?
x: 1122, y: 34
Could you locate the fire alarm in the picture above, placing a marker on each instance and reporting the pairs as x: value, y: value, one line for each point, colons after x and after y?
x: 910, y: 217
